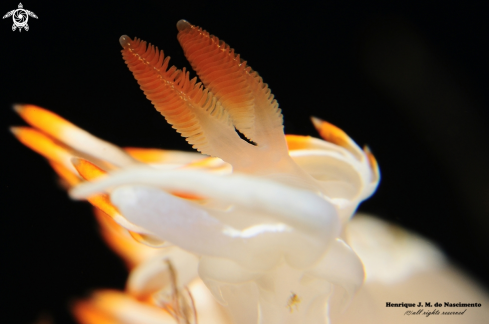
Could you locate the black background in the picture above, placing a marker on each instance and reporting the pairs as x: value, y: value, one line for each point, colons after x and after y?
x: 409, y: 80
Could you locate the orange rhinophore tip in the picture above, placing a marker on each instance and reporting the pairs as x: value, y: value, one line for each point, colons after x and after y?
x: 335, y: 135
x: 44, y: 145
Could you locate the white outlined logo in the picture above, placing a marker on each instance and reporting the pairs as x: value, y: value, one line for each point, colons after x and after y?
x: 20, y: 17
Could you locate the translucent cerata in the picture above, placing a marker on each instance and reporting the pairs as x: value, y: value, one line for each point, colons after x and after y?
x: 252, y: 229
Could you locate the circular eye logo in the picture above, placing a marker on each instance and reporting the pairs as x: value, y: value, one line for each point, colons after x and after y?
x: 20, y: 17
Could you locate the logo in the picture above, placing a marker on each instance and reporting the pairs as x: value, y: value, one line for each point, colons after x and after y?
x: 20, y: 17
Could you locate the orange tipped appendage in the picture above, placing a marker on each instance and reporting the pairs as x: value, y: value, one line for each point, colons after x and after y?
x: 72, y: 136
x: 43, y: 119
x: 331, y: 133
x: 147, y: 155
x: 335, y: 135
x: 124, y: 308
x: 183, y: 102
x: 374, y: 166
x: 89, y: 171
x: 297, y: 142
x: 241, y: 90
x: 44, y: 145
x: 87, y: 313
x: 159, y: 156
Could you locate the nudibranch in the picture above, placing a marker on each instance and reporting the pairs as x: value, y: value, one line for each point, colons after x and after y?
x: 257, y: 215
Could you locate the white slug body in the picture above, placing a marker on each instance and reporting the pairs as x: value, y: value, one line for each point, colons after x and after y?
x: 264, y: 219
